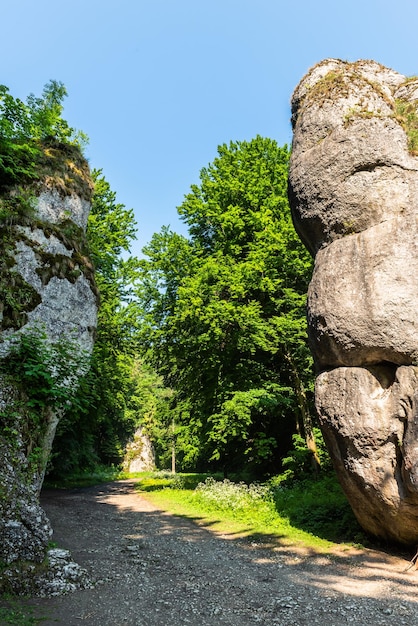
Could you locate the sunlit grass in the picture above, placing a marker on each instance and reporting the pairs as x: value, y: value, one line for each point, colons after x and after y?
x: 313, y: 514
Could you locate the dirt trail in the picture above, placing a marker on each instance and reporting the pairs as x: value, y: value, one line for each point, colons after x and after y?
x: 154, y: 569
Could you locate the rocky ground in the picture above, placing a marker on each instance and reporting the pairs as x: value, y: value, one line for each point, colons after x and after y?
x: 153, y: 569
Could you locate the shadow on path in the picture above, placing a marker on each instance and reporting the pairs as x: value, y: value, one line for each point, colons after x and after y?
x: 155, y: 569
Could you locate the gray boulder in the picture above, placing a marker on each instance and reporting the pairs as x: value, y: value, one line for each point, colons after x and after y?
x: 353, y: 189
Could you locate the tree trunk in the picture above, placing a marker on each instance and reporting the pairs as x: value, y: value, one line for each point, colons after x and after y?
x: 304, y: 413
x: 173, y: 451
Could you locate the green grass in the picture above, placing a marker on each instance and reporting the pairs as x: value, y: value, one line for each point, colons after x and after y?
x: 161, y: 480
x: 319, y: 507
x: 311, y: 513
x: 12, y: 613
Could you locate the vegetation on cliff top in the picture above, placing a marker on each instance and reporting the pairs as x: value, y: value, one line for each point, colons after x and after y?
x: 339, y: 82
x: 31, y: 132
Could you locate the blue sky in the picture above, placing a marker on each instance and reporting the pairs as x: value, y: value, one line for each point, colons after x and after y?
x: 157, y: 85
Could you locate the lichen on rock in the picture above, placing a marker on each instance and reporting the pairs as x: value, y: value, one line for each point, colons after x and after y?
x: 353, y: 190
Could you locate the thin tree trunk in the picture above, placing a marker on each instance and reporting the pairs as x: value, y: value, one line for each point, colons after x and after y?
x: 304, y: 413
x: 173, y: 451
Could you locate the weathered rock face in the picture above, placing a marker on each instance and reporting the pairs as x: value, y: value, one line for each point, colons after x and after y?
x: 140, y: 454
x: 353, y: 189
x: 48, y: 294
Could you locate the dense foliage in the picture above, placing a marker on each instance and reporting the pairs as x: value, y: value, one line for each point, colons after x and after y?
x: 202, y: 342
x: 97, y: 430
x: 121, y: 391
x: 224, y: 318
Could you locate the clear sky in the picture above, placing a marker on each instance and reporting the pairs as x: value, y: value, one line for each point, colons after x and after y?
x: 157, y: 85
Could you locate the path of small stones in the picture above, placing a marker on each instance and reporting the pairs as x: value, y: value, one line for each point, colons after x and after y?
x: 154, y: 569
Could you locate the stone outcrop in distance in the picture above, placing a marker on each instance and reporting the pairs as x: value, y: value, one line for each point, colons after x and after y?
x: 353, y: 190
x: 140, y: 453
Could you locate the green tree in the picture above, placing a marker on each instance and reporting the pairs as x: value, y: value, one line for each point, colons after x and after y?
x: 103, y: 420
x: 224, y: 317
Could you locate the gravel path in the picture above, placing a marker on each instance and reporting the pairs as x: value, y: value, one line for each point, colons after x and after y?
x: 154, y: 569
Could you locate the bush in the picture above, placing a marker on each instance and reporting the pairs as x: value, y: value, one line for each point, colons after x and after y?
x: 318, y: 506
x: 226, y: 495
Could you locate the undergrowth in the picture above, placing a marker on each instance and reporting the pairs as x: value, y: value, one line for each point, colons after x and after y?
x: 86, y: 478
x: 13, y: 614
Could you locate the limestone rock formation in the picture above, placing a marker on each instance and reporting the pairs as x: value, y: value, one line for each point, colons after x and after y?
x: 140, y: 453
x: 48, y: 313
x: 353, y: 190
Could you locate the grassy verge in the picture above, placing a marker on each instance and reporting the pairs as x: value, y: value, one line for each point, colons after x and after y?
x: 311, y: 513
x: 12, y: 613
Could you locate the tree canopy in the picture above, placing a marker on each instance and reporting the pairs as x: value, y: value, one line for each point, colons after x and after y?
x: 102, y: 421
x: 223, y: 310
x: 202, y: 341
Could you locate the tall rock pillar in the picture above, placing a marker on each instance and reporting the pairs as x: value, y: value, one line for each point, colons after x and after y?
x: 353, y: 190
x: 48, y: 312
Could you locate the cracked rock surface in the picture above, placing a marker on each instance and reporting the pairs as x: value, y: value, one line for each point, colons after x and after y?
x: 151, y: 569
x: 48, y: 316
